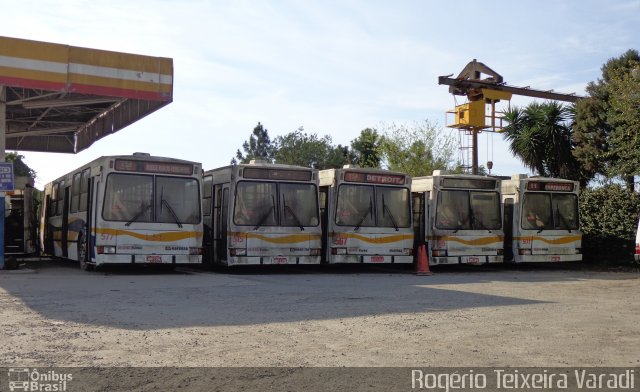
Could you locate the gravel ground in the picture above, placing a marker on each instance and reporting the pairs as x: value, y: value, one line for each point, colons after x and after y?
x: 61, y: 316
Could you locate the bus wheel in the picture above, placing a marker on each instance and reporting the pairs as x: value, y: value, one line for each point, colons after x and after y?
x: 82, y: 255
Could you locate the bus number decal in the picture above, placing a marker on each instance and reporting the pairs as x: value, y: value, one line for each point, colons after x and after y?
x: 106, y: 237
x: 340, y: 240
x: 474, y: 260
x: 237, y: 239
x: 555, y: 258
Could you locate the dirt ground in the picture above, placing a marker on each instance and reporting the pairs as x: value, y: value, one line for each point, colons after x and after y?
x: 58, y: 315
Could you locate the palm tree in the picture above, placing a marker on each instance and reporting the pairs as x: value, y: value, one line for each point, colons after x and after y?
x: 540, y: 135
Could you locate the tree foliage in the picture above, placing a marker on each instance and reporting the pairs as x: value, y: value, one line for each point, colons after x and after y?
x: 540, y: 135
x: 310, y: 150
x: 257, y: 147
x: 608, y: 220
x: 607, y: 130
x: 366, y: 148
x: 416, y: 149
x: 19, y: 167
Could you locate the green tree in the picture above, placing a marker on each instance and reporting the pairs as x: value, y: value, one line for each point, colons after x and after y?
x: 540, y: 135
x: 19, y: 167
x: 416, y: 149
x: 257, y: 147
x: 310, y: 150
x: 606, y: 130
x: 366, y: 148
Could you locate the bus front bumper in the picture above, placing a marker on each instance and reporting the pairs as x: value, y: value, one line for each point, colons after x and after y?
x: 370, y: 259
x: 546, y: 258
x: 473, y: 260
x: 272, y: 260
x: 147, y: 259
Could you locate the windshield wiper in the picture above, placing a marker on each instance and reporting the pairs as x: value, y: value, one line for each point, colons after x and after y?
x: 173, y: 213
x: 287, y: 208
x: 385, y: 207
x: 562, y: 218
x: 366, y: 213
x: 143, y: 208
x: 477, y: 222
x: 264, y: 217
x: 163, y: 202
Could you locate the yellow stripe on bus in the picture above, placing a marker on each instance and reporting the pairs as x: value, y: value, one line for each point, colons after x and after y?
x: 286, y: 239
x: 556, y: 241
x: 169, y: 236
x: 379, y: 240
x: 475, y: 241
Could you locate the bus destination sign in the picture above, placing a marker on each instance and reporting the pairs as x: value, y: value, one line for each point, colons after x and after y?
x: 153, y: 167
x: 550, y: 186
x: 374, y: 178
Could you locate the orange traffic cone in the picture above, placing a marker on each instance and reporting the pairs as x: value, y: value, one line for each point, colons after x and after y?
x: 422, y: 263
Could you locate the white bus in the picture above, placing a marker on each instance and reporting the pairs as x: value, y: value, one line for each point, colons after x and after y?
x: 541, y: 219
x: 125, y: 209
x: 366, y: 216
x: 20, y: 219
x: 261, y: 213
x: 459, y: 217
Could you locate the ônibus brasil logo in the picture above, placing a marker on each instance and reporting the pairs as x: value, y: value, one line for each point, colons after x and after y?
x: 32, y: 380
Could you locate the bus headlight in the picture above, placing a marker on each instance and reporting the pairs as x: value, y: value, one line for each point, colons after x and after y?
x: 195, y: 251
x: 237, y: 252
x: 106, y: 249
x: 524, y: 252
x: 578, y: 251
x: 314, y: 252
x: 439, y: 253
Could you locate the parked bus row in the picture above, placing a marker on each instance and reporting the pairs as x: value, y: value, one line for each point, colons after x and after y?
x: 142, y: 209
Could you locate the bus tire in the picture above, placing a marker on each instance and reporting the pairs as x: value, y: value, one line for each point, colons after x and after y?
x: 82, y: 255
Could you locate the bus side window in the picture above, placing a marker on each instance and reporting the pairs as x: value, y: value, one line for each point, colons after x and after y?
x: 84, y: 189
x: 75, y: 192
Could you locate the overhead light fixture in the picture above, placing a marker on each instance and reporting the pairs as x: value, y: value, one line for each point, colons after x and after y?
x: 58, y: 103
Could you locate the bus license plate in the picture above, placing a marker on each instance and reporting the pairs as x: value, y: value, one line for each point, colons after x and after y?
x: 377, y: 259
x: 474, y: 260
x: 154, y: 259
x: 279, y: 260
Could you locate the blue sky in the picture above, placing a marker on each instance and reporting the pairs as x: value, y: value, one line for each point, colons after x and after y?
x: 333, y: 67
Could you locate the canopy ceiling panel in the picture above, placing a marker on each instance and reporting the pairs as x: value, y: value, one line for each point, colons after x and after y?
x: 61, y: 98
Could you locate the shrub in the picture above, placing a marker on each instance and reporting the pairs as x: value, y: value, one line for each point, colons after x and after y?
x: 609, y: 218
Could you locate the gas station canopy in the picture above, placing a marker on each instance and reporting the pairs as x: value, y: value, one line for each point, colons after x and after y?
x: 61, y: 98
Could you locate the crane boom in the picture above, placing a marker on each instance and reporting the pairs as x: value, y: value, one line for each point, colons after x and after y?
x: 471, y: 117
x: 461, y: 87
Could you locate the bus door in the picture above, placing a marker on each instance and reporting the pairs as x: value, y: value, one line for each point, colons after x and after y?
x: 89, y: 227
x: 324, y: 221
x: 48, y: 228
x: 14, y: 228
x: 208, y: 213
x: 65, y: 223
x: 221, y: 193
x: 508, y: 229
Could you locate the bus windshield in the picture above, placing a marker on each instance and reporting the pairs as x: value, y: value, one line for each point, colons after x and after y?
x: 547, y: 211
x: 299, y: 205
x: 256, y: 204
x: 372, y: 206
x: 130, y: 198
x: 468, y: 210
